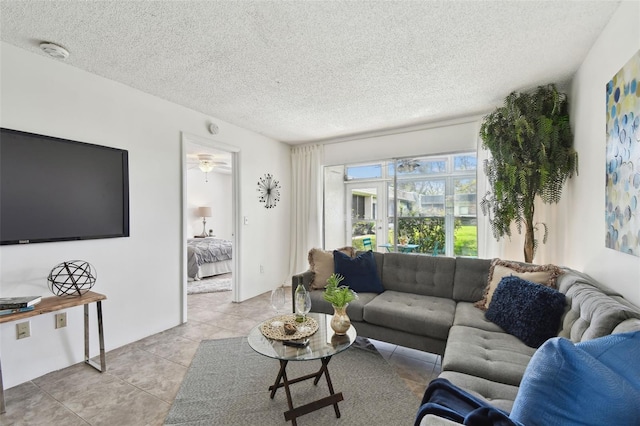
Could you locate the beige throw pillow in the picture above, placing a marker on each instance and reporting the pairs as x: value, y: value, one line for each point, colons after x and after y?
x: 321, y: 264
x: 541, y: 274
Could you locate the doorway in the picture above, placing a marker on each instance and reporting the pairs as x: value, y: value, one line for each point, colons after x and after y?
x: 367, y: 223
x: 209, y: 210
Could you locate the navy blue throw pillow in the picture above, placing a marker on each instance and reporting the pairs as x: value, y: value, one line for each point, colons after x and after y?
x: 360, y: 273
x: 529, y: 311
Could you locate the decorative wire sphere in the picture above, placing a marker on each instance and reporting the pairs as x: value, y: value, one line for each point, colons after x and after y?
x: 72, y: 278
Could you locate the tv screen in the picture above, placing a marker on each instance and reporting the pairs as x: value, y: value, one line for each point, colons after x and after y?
x: 55, y: 189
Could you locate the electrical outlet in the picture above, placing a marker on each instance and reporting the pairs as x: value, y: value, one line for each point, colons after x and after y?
x: 61, y: 320
x: 23, y: 329
x: 246, y: 220
x: 261, y: 269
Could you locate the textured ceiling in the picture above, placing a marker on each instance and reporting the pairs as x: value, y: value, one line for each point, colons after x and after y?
x: 312, y: 71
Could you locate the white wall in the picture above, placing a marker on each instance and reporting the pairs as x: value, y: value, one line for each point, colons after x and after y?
x: 455, y: 136
x: 217, y: 194
x: 141, y: 275
x: 584, y: 206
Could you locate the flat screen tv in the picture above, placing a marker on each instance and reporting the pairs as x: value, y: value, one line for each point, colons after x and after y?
x: 54, y: 189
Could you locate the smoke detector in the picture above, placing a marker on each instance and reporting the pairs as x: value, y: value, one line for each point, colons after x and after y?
x: 54, y: 50
x: 213, y: 128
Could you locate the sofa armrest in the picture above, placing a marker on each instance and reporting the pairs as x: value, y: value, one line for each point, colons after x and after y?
x: 303, y: 278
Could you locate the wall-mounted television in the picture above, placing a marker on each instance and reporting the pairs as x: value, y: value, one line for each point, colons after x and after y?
x: 54, y: 189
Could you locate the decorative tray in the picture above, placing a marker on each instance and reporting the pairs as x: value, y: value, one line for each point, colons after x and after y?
x: 305, y: 329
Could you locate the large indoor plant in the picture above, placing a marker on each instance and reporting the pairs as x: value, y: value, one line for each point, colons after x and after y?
x: 530, y: 141
x: 339, y: 296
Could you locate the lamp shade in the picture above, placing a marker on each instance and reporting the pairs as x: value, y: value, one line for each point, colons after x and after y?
x: 204, y: 211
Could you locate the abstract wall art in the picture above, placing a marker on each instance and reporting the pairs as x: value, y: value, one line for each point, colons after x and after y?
x: 623, y: 159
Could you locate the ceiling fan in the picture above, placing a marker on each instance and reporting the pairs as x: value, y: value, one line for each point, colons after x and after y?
x: 208, y: 163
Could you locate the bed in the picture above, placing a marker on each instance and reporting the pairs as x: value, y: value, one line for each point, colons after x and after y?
x: 207, y: 257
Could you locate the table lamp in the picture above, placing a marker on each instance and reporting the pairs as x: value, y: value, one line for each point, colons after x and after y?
x: 205, y: 212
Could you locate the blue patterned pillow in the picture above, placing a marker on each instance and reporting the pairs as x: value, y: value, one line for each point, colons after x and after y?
x: 360, y: 273
x: 529, y: 311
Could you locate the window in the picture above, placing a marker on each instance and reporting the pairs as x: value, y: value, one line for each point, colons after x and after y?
x: 431, y: 201
x: 373, y: 171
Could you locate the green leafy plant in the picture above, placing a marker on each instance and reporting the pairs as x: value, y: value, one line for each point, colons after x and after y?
x: 336, y: 294
x: 530, y: 141
x: 427, y: 232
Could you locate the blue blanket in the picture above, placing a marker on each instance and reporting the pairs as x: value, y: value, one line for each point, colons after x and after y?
x: 444, y: 399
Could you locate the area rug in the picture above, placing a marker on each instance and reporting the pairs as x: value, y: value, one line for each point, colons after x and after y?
x: 209, y: 285
x: 227, y: 384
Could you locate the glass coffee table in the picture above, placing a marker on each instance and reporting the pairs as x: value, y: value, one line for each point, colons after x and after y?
x: 323, y: 344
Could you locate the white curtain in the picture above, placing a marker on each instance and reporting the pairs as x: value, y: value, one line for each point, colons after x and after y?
x: 488, y: 247
x: 306, y: 204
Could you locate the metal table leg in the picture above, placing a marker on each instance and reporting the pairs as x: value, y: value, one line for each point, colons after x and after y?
x: 102, y: 367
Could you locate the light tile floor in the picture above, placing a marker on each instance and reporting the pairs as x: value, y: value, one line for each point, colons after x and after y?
x: 143, y: 377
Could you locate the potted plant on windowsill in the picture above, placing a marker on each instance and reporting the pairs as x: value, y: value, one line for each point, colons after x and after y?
x: 339, y: 296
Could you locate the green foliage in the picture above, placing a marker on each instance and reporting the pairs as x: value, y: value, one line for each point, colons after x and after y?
x: 427, y: 232
x: 465, y: 242
x: 336, y: 294
x: 531, y: 156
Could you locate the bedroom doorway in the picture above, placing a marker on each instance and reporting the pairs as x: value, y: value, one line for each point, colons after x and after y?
x: 209, y: 225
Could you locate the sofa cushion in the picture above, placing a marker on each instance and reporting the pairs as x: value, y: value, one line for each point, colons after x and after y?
x: 529, y: 311
x: 499, y: 394
x: 591, y: 383
x: 495, y: 356
x: 321, y: 264
x: 592, y: 313
x: 360, y: 273
x: 469, y: 315
x: 541, y: 274
x: 354, y: 310
x: 413, y: 313
x: 470, y: 278
x: 419, y: 274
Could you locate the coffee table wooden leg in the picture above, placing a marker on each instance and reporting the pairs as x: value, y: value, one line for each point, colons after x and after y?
x: 283, y: 382
x: 325, y: 363
x: 288, y: 392
x: 276, y: 384
x: 322, y: 370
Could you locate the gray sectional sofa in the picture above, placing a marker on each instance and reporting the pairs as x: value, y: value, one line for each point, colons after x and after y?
x: 428, y: 304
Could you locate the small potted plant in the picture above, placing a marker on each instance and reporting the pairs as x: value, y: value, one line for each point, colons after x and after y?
x: 339, y: 296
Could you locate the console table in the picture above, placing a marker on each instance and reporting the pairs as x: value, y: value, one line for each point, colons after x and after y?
x: 56, y: 303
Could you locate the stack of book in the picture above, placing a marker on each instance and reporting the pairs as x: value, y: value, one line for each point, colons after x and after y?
x: 11, y: 305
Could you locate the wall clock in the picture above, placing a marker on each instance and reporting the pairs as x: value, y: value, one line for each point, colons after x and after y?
x: 268, y: 191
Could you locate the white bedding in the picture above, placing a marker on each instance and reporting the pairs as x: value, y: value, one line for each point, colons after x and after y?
x: 208, y: 256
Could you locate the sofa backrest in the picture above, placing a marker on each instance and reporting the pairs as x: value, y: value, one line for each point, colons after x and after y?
x: 470, y: 280
x: 419, y: 274
x: 593, y: 309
